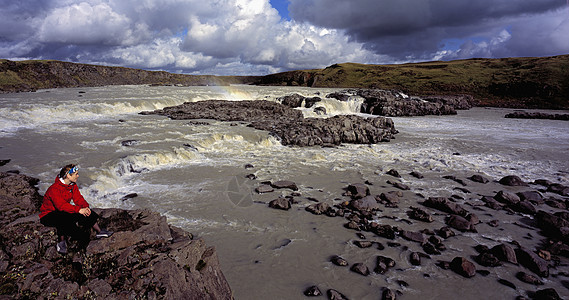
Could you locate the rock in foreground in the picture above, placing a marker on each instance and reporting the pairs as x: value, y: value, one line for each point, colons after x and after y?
x: 146, y: 258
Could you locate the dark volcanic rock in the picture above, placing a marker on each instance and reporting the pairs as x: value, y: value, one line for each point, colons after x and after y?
x: 367, y: 203
x: 312, y: 291
x: 286, y: 123
x: 529, y: 278
x: 280, y: 203
x: 553, y: 225
x: 478, y: 178
x: 504, y: 253
x: 284, y: 184
x: 419, y: 214
x: 360, y: 269
x: 444, y: 204
x: 513, y: 180
x: 507, y: 198
x: 357, y: 190
x: 145, y: 258
x: 384, y: 264
x: 460, y: 223
x: 537, y: 115
x: 318, y: 208
x: 335, y: 295
x: 463, y: 266
x: 394, y: 104
x: 533, y: 262
x: 339, y: 261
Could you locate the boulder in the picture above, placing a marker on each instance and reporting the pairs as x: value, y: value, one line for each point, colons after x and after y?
x: 419, y: 214
x: 318, y: 208
x: 445, y: 205
x: 335, y: 295
x: 533, y: 196
x: 413, y: 236
x: 559, y: 189
x: 532, y: 261
x: 384, y: 264
x: 504, y: 253
x: 395, y: 104
x: 339, y: 261
x: 367, y: 203
x: 460, y: 223
x: 264, y: 188
x: 507, y: 198
x: 529, y: 278
x: 463, y: 266
x: 357, y: 190
x: 284, y: 184
x: 360, y: 268
x: 478, y: 178
x: 312, y: 291
x: 280, y: 203
x: 513, y: 180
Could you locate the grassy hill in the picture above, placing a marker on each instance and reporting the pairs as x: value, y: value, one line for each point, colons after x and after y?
x: 509, y: 82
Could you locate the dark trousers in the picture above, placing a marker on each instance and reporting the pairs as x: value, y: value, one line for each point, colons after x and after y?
x: 74, y: 225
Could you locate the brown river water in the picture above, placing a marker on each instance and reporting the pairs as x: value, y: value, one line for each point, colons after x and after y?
x: 195, y: 175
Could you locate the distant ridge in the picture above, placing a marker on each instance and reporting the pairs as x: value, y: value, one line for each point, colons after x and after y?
x: 531, y: 82
x: 24, y: 76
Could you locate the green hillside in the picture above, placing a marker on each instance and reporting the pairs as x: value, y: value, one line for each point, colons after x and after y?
x: 509, y: 82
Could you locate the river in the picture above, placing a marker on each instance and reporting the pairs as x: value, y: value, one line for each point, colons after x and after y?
x: 194, y: 173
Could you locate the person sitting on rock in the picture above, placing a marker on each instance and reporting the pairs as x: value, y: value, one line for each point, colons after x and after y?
x: 73, y: 220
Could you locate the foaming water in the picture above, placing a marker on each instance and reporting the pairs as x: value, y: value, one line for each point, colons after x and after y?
x: 194, y: 173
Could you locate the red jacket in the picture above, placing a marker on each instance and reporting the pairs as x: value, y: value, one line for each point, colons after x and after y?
x: 58, y: 197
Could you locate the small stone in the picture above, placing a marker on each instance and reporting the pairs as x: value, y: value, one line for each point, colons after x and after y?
x: 285, y: 184
x: 388, y: 294
x: 363, y: 244
x: 529, y: 278
x: 264, y: 188
x: 479, y: 178
x: 360, y: 269
x: 417, y: 175
x: 280, y: 203
x: 393, y: 173
x: 339, y: 261
x: 335, y: 295
x: 415, y: 259
x: 312, y: 291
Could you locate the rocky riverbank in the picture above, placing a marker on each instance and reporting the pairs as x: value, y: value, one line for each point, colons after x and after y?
x: 146, y: 258
x: 472, y: 214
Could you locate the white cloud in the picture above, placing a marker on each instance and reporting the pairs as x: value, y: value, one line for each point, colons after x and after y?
x: 84, y: 23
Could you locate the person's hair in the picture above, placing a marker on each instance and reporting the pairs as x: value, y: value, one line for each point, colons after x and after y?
x: 65, y: 170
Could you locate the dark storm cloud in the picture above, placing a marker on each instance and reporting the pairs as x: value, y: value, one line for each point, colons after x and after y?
x: 418, y: 28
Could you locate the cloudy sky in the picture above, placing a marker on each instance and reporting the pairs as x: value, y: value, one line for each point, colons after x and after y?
x: 256, y: 37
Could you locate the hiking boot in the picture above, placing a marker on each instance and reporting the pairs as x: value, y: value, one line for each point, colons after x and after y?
x: 104, y: 233
x: 61, y: 247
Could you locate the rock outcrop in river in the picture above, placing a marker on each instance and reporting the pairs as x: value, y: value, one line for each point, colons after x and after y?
x: 146, y: 258
x: 286, y: 123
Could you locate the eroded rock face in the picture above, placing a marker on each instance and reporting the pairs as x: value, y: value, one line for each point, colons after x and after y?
x: 145, y: 258
x: 288, y: 124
